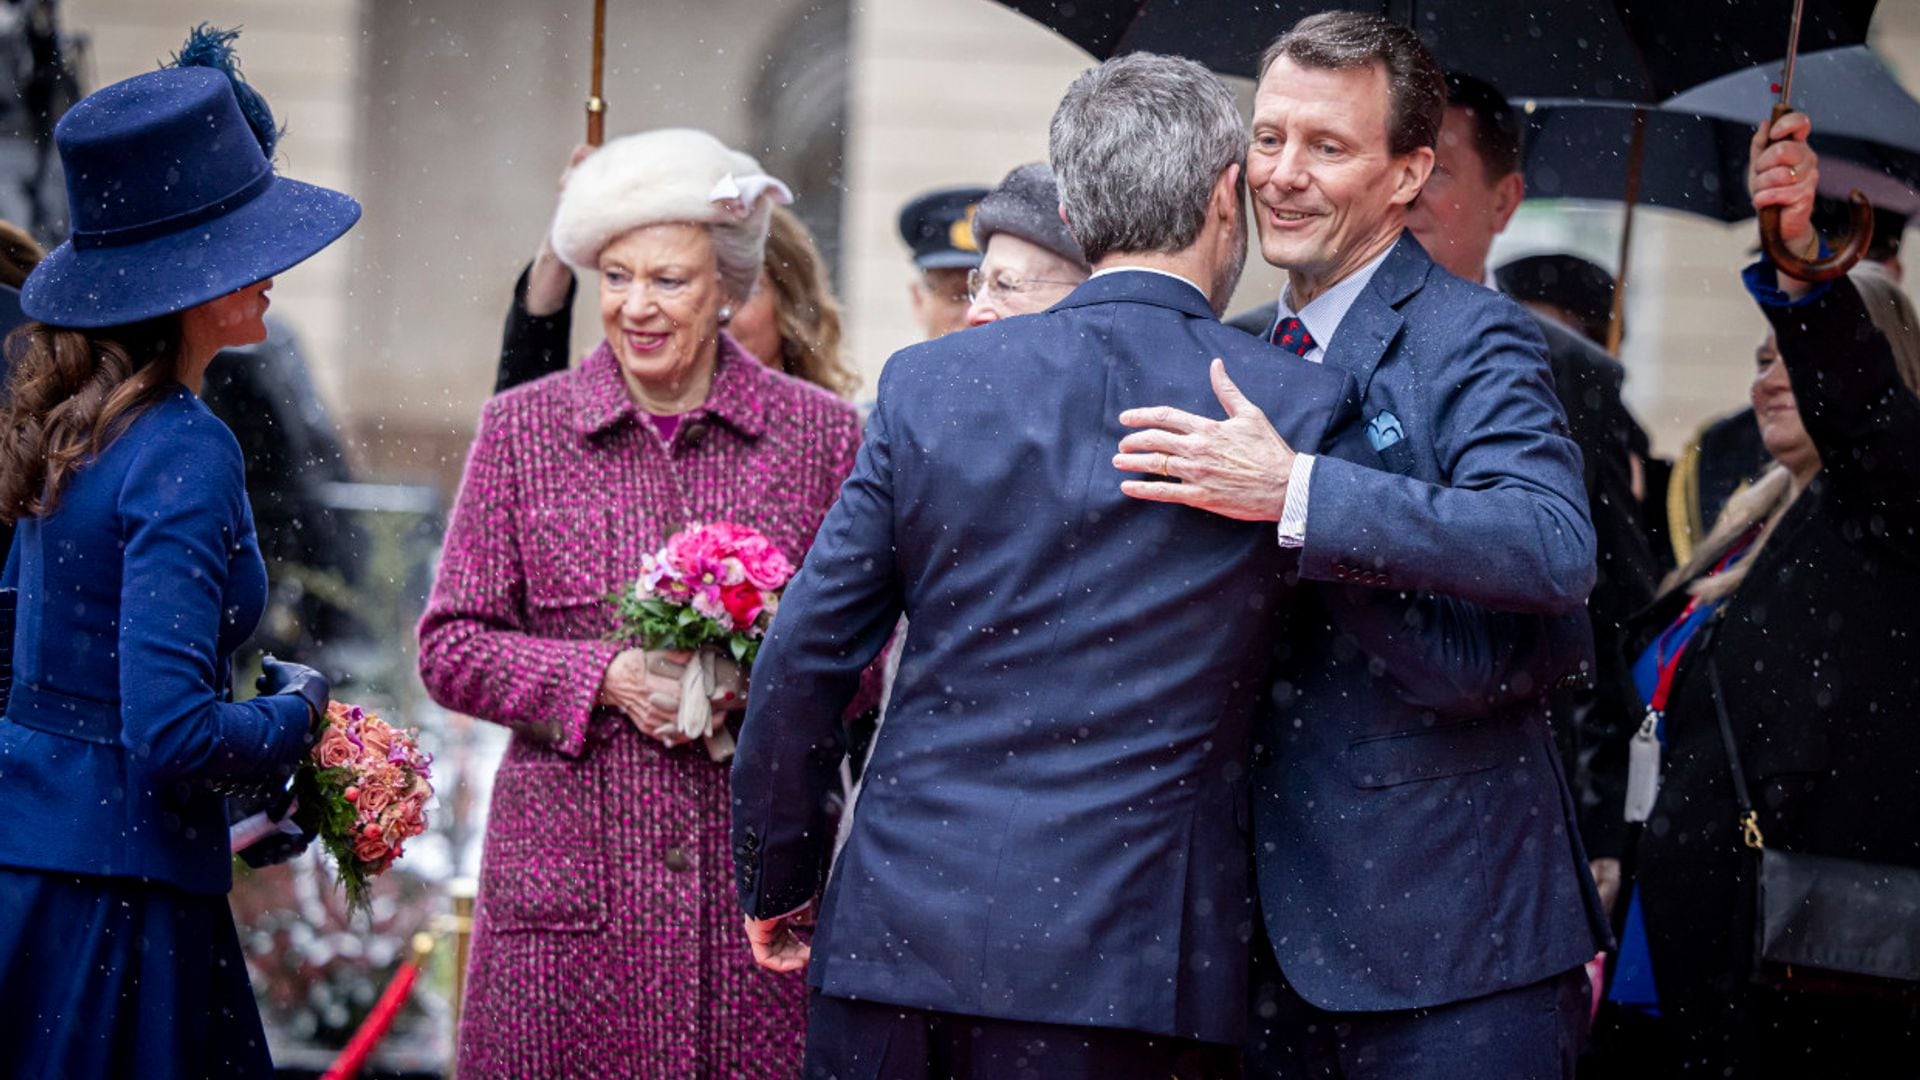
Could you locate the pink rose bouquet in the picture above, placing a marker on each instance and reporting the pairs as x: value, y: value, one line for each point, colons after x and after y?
x: 364, y: 790
x: 712, y: 588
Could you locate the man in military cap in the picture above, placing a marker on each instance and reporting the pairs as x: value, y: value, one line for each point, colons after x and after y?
x: 938, y: 227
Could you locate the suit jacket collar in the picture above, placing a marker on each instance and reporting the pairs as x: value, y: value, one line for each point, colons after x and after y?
x: 1139, y: 287
x: 601, y: 400
x: 1375, y: 321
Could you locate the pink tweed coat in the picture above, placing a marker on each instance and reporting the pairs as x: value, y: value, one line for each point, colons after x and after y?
x: 607, y: 939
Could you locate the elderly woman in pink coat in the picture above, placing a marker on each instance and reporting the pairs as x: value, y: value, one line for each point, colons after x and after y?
x: 606, y: 940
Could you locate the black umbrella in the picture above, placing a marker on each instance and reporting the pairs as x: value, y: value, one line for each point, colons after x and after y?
x: 1847, y: 92
x: 1622, y: 50
x: 1690, y: 154
x: 1695, y: 164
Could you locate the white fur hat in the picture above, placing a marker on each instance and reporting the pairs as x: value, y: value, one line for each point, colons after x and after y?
x: 673, y: 174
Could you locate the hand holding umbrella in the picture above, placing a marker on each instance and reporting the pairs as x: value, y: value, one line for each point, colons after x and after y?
x: 1782, y: 174
x: 1784, y: 241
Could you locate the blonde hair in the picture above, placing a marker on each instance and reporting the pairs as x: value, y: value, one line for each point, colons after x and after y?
x: 804, y: 310
x: 1766, y: 500
x: 1893, y: 313
x: 1763, y: 502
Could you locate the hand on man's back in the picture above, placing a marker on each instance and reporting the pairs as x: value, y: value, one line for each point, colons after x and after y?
x: 1236, y: 467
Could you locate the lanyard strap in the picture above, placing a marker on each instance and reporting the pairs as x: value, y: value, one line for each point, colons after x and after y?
x: 1663, y: 685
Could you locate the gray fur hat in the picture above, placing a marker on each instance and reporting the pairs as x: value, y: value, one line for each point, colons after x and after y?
x: 1027, y: 205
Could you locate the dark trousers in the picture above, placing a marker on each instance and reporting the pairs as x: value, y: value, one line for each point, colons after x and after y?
x: 1754, y: 1033
x: 1532, y: 1032
x: 866, y: 1040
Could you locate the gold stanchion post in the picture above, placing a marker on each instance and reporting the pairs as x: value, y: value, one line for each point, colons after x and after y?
x: 458, y: 925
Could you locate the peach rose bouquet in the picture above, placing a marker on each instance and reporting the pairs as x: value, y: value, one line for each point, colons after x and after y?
x: 364, y: 790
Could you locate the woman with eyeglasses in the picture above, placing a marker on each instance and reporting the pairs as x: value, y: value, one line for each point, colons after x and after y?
x: 1031, y: 261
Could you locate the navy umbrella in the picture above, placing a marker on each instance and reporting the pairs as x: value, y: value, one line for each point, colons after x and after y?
x: 1623, y: 50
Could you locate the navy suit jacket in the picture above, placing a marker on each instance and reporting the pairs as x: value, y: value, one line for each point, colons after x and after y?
x: 134, y: 592
x: 1414, y: 835
x: 1051, y: 826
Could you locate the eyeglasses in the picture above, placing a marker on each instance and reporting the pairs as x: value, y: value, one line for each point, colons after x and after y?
x: 1005, y: 288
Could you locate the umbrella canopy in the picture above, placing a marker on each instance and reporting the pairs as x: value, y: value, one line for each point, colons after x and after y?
x: 1695, y: 164
x: 1846, y: 92
x: 1606, y: 49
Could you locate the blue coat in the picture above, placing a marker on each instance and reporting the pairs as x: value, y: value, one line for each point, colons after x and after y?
x: 1051, y: 826
x: 1414, y: 837
x: 134, y: 592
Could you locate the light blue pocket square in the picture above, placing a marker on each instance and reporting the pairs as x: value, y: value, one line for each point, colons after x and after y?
x: 1384, y: 430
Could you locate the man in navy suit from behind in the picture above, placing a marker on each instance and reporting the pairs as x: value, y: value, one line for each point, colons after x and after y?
x: 1425, y: 900
x: 1048, y: 871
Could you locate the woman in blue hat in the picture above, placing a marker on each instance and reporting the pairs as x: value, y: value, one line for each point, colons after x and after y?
x: 138, y: 574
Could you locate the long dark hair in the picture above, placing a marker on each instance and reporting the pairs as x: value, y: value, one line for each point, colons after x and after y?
x: 69, y: 395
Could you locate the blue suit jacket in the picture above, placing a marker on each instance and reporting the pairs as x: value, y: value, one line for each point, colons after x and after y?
x: 1051, y: 826
x: 134, y: 592
x: 1414, y: 836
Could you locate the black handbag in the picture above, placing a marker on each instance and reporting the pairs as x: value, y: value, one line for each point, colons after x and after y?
x: 1824, y: 923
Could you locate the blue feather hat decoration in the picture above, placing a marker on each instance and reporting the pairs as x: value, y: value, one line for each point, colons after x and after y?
x: 211, y: 47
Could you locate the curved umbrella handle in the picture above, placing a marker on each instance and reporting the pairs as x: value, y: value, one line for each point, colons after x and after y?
x: 1844, y: 255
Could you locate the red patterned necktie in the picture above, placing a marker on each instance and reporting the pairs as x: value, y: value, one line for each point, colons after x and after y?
x: 1292, y: 336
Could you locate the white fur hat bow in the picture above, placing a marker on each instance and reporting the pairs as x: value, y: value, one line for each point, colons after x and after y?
x: 673, y: 174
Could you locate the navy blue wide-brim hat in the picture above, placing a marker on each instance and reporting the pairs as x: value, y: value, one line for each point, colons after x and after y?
x: 173, y: 204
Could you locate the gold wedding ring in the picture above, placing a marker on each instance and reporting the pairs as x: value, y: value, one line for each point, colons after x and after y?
x: 1165, y: 466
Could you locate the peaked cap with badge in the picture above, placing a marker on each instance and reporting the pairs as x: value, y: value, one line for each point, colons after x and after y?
x: 938, y: 227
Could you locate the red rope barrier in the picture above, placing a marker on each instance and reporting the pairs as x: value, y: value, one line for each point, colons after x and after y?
x: 375, y: 1026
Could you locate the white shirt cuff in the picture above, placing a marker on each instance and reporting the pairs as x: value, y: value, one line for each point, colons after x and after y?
x: 1293, y: 516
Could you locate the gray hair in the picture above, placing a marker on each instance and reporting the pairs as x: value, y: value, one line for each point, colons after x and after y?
x: 740, y: 249
x: 1137, y: 145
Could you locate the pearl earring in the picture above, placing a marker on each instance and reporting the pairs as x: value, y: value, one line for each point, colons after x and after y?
x: 726, y: 314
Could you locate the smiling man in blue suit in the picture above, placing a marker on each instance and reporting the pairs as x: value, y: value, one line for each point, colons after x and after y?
x: 1048, y: 870
x: 1426, y: 903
